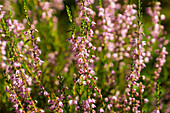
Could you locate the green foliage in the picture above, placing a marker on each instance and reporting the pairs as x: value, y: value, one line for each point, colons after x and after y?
x: 69, y: 14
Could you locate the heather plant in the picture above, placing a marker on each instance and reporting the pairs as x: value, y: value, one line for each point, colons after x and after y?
x: 86, y: 56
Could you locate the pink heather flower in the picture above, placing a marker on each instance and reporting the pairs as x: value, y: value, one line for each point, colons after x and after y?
x: 101, y: 110
x: 109, y: 106
x: 110, y: 46
x: 157, y: 111
x: 99, y: 49
x: 42, y: 111
x: 7, y: 88
x: 94, y: 48
x: 93, y: 106
x: 46, y: 93
x: 93, y: 23
x: 29, y: 89
x: 113, y: 72
x: 106, y: 99
x: 93, y: 101
x: 114, y: 55
x: 77, y: 107
x: 127, y: 108
x: 60, y: 104
x: 60, y: 110
x: 38, y: 39
x: 162, y: 17
x: 70, y: 102
x: 20, y: 111
x: 146, y: 59
x: 134, y: 109
x: 84, y: 83
x: 114, y: 98
x: 108, y: 55
x: 164, y: 50
x: 94, y: 94
x: 15, y: 106
x: 101, y: 12
x: 75, y: 102
x: 146, y: 100
x: 143, y: 43
x: 3, y: 65
x: 87, y: 19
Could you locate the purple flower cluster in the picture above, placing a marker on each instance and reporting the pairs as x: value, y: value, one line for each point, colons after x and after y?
x: 108, y: 45
x: 157, y: 36
x: 82, y: 48
x: 22, y: 55
x: 3, y: 53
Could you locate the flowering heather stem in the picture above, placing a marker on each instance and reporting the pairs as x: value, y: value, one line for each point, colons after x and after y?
x: 15, y: 53
x: 100, y: 3
x: 158, y: 95
x: 11, y: 87
x: 87, y: 33
x: 26, y: 13
x: 139, y: 52
x: 23, y: 79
